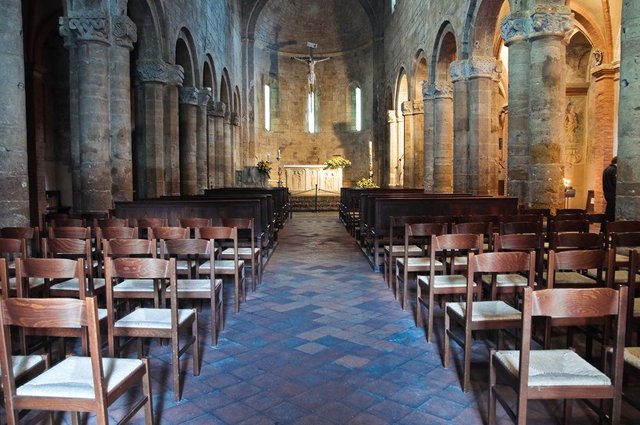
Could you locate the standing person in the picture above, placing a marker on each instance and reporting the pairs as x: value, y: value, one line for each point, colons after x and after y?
x: 609, y: 188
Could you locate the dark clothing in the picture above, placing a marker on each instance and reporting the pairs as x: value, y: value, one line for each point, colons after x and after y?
x: 609, y: 188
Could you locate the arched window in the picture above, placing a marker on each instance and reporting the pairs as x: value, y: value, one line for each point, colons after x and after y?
x: 393, y: 5
x: 267, y: 107
x: 357, y: 109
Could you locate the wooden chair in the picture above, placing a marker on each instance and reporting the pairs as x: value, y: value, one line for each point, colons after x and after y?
x: 73, y: 249
x: 485, y: 228
x: 194, y: 252
x: 134, y: 288
x: 569, y: 241
x: 144, y: 223
x: 230, y: 268
x: 194, y: 223
x: 11, y: 250
x: 110, y: 222
x: 168, y: 232
x: 521, y: 227
x: 521, y: 242
x: 30, y: 234
x: 79, y: 384
x: 395, y: 248
x: 409, y: 266
x: 631, y: 368
x: 251, y: 253
x: 484, y: 315
x: 633, y: 310
x: 67, y: 222
x: 573, y: 211
x: 569, y: 269
x: 433, y: 285
x: 143, y: 322
x: 71, y: 232
x: 560, y: 374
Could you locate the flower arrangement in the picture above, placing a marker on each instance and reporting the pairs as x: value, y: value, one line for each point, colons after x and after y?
x: 264, y: 167
x: 366, y: 183
x: 336, y: 162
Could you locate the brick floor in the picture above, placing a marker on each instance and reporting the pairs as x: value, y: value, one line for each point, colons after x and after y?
x: 322, y: 341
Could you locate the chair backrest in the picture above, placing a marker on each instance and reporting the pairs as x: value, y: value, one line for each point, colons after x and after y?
x: 522, y: 217
x: 52, y: 314
x: 195, y: 222
x: 573, y: 211
x: 145, y: 222
x: 574, y: 305
x: 111, y: 222
x: 192, y: 250
x: 452, y: 245
x: 129, y: 247
x: 522, y: 227
x: 569, y: 241
x: 246, y: 229
x: 4, y: 278
x: 67, y: 222
x: 579, y: 260
x: 117, y: 232
x: 168, y: 232
x: 11, y: 248
x: 484, y: 228
x: 75, y: 232
x: 30, y: 234
x: 49, y: 269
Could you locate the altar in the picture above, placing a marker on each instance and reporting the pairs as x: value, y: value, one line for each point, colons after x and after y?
x: 302, y: 180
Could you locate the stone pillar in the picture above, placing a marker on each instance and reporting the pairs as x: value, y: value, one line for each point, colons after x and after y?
x: 216, y: 148
x: 443, y: 136
x: 150, y: 161
x: 204, y: 95
x: 393, y: 148
x: 407, y: 118
x: 228, y: 151
x: 87, y: 33
x: 418, y: 144
x: 514, y: 33
x: 483, y: 74
x: 188, y: 111
x: 628, y: 185
x: 237, y: 152
x: 605, y: 77
x: 125, y: 35
x: 14, y: 178
x: 547, y: 103
x: 427, y: 98
x: 461, y: 139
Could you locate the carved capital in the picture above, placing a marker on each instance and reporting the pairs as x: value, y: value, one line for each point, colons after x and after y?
x: 216, y: 108
x: 406, y: 107
x: 124, y: 31
x: 188, y: 96
x: 441, y: 90
x: 161, y: 72
x: 425, y: 89
x: 458, y: 70
x: 418, y: 107
x: 514, y: 28
x: 484, y: 67
x: 83, y: 28
x: 204, y: 96
x: 391, y: 117
x: 551, y: 20
x: 235, y: 119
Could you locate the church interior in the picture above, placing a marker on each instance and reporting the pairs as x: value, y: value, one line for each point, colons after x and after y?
x: 306, y: 118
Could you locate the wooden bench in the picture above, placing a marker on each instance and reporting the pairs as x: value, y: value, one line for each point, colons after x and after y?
x: 281, y: 199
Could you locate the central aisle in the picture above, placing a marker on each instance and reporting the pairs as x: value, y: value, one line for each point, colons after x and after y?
x: 322, y: 341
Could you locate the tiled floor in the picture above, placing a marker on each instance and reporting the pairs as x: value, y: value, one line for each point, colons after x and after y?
x: 322, y: 341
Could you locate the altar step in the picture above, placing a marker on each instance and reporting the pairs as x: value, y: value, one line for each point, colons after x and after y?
x: 311, y: 203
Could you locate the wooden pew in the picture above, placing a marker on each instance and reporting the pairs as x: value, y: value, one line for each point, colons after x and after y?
x: 385, y: 207
x: 281, y: 198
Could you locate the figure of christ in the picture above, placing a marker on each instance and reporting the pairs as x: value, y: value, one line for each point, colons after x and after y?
x: 311, y: 76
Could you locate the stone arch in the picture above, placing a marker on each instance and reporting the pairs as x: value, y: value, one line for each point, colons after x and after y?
x: 150, y: 37
x: 396, y: 130
x: 209, y: 75
x: 185, y: 56
x: 482, y: 27
x: 225, y: 89
x: 415, y: 157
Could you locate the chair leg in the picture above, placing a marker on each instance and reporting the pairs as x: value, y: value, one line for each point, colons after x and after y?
x: 466, y: 373
x: 195, y: 345
x: 568, y: 408
x: 522, y: 409
x: 430, y: 314
x: 146, y: 389
x: 214, y: 319
x: 492, y: 395
x: 175, y: 366
x: 447, y: 326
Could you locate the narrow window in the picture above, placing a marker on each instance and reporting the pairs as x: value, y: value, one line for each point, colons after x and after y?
x: 358, y: 109
x: 393, y: 5
x: 267, y: 107
x: 311, y: 112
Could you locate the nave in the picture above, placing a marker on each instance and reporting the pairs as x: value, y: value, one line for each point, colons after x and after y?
x: 322, y: 341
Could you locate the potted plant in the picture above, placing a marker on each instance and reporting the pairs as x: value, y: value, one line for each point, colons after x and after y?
x: 336, y: 162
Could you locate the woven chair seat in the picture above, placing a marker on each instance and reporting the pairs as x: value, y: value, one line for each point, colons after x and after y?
x: 632, y: 356
x: 73, y: 285
x: 73, y: 378
x: 34, y: 282
x: 506, y: 280
x: 486, y: 310
x: 445, y: 281
x: 242, y: 252
x: 222, y: 266
x: 195, y: 285
x: 156, y: 318
x: 23, y: 364
x: 555, y: 368
x: 399, y: 249
x: 137, y: 285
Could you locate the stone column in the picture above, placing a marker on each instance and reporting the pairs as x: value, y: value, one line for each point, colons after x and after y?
x: 628, y: 186
x: 153, y: 79
x: 442, y: 92
x: 547, y: 104
x: 216, y: 148
x: 125, y: 35
x: 461, y: 139
x: 514, y: 33
x: 393, y: 147
x: 237, y: 152
x: 427, y: 98
x: 483, y: 74
x: 204, y: 95
x: 228, y: 151
x: 605, y: 77
x: 14, y: 178
x: 87, y: 33
x: 407, y: 117
x: 188, y: 111
x: 418, y: 145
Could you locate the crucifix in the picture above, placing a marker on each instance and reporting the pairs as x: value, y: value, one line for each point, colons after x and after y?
x: 311, y: 61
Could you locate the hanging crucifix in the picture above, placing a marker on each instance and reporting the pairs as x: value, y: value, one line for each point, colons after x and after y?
x: 311, y: 61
